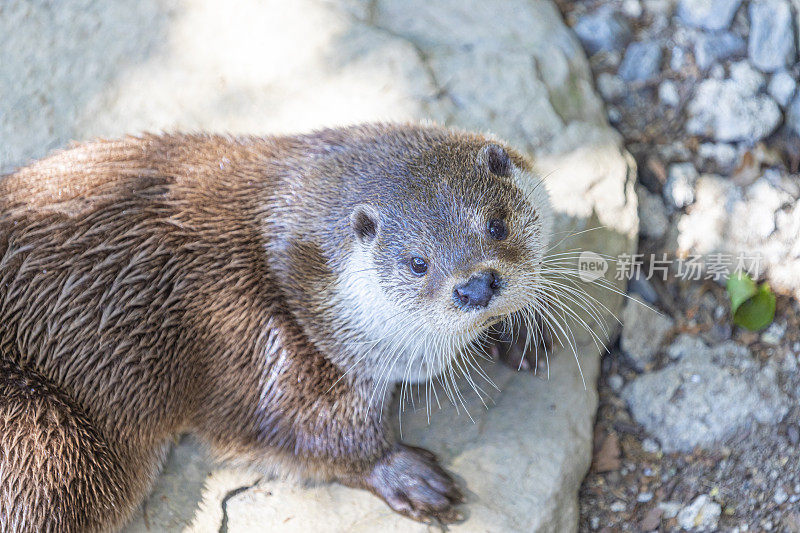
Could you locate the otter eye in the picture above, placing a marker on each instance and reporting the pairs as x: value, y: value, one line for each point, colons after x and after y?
x: 497, y: 229
x: 418, y: 266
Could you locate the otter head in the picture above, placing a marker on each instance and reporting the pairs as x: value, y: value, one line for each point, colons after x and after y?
x: 450, y: 243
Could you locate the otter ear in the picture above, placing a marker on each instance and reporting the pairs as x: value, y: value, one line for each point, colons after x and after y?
x: 365, y: 221
x: 497, y: 159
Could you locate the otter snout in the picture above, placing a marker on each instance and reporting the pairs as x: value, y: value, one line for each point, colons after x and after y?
x: 477, y: 291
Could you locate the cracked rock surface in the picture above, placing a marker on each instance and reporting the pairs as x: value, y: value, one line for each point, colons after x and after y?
x: 513, y: 69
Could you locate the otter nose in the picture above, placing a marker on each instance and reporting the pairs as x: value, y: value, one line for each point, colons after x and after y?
x: 477, y: 291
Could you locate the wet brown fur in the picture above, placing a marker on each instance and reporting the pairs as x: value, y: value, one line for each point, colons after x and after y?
x: 161, y: 284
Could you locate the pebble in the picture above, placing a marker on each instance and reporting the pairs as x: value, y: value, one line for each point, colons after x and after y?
x: 611, y: 87
x: 748, y: 78
x: 708, y: 14
x: 652, y: 520
x: 616, y: 382
x: 780, y: 496
x: 773, y: 334
x: 644, y: 497
x: 632, y: 8
x: 793, y: 433
x: 679, y: 188
x: 650, y: 446
x: 781, y: 87
x: 653, y: 221
x: 668, y: 93
x: 709, y: 49
x: 671, y: 509
x: 641, y: 61
x: 675, y: 151
x: 723, y: 155
x: 658, y: 7
x: 771, y: 45
x: 702, y: 514
x: 643, y: 329
x: 639, y: 284
x: 796, y: 347
x: 594, y: 522
x: 617, y: 507
x: 603, y: 30
x: 793, y: 114
x: 677, y: 58
x: 720, y: 332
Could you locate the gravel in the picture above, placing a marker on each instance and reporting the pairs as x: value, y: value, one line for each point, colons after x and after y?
x: 679, y: 188
x: 793, y: 115
x: 702, y: 515
x: 773, y: 335
x: 641, y: 62
x: 677, y: 58
x: 616, y: 382
x: 611, y: 87
x: 771, y: 45
x: 708, y: 14
x: 668, y: 93
x: 722, y: 155
x: 709, y: 49
x: 603, y: 30
x: 781, y: 87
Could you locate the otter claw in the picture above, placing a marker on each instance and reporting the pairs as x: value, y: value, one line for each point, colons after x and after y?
x: 411, y: 482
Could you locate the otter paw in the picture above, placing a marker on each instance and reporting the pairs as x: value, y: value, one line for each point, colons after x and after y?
x: 411, y: 482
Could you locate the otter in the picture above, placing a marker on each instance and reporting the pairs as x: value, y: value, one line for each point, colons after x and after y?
x: 261, y: 293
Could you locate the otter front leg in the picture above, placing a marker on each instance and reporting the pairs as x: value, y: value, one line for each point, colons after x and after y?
x: 362, y: 452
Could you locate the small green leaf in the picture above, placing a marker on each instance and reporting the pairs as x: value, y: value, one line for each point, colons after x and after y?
x: 752, y: 306
x: 740, y: 289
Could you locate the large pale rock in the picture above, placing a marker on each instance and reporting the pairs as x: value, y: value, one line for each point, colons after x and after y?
x: 705, y: 397
x: 76, y: 69
x: 757, y: 226
x: 732, y: 110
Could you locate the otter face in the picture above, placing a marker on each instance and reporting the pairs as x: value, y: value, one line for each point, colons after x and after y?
x: 460, y: 252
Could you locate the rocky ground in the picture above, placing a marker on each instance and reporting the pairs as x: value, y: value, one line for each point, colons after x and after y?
x: 698, y: 426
